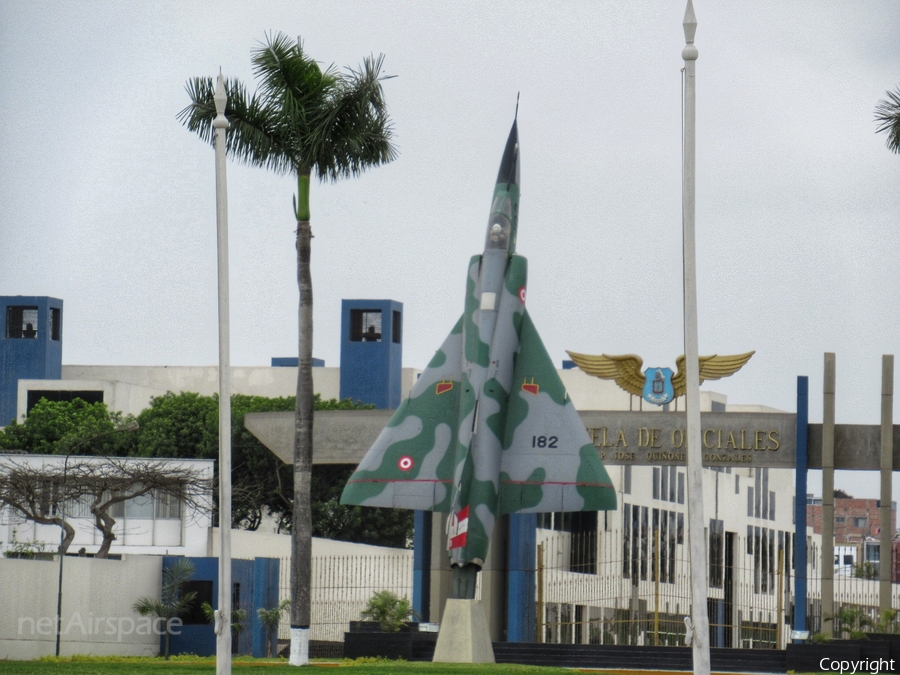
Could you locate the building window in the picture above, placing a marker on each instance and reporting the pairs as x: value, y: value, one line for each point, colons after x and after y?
x: 635, y: 542
x: 21, y: 322
x: 655, y: 482
x: 681, y: 488
x: 626, y: 541
x: 749, y: 502
x: 626, y: 479
x: 716, y: 553
x: 583, y: 551
x: 672, y: 538
x: 761, y: 545
x: 396, y: 327
x: 672, y: 482
x: 645, y: 532
x: 55, y: 395
x: 365, y: 325
x: 771, y: 505
x: 657, y: 538
x: 758, y: 493
x: 737, y: 483
x: 139, y: 507
x: 664, y: 484
x: 194, y: 614
x: 167, y: 507
x: 840, y: 519
x: 860, y: 522
x: 54, y: 323
x: 873, y: 552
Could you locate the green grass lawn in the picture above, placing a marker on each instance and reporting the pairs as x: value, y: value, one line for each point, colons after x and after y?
x: 186, y: 664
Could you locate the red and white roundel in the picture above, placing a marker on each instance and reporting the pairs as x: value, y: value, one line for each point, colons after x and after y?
x: 522, y: 295
x: 405, y: 463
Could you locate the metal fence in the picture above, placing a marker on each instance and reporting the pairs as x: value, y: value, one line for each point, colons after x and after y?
x: 341, y: 587
x: 629, y: 586
x: 615, y: 587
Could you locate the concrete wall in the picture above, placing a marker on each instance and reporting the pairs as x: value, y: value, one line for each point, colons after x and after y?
x: 128, y: 389
x: 97, y: 615
x: 248, y: 545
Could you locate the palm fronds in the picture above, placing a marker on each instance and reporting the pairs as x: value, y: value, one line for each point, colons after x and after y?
x: 302, y: 118
x: 887, y: 113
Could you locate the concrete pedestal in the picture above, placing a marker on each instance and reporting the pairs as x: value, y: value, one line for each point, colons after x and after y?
x: 464, y: 636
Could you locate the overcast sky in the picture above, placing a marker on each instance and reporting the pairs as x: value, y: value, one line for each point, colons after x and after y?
x: 107, y: 202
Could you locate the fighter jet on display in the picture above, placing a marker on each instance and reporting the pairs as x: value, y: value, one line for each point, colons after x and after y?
x: 488, y: 429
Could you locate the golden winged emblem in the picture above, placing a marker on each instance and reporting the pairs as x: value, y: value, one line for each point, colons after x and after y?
x: 626, y: 371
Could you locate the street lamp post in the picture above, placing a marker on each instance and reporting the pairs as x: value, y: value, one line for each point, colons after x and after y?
x: 131, y: 426
x: 223, y: 615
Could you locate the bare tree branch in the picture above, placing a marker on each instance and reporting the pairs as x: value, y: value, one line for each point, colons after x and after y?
x: 41, y: 492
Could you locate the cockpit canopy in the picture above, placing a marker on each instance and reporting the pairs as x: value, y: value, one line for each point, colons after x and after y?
x: 499, y: 224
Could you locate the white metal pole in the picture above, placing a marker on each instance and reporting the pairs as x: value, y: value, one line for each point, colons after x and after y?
x: 223, y: 615
x: 696, y: 537
x: 886, y: 564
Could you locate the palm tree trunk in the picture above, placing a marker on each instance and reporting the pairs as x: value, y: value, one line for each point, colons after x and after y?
x: 301, y: 526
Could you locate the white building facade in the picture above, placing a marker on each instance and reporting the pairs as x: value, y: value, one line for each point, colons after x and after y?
x: 148, y: 524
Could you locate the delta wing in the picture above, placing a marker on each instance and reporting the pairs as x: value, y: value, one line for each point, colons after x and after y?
x: 410, y: 466
x: 549, y: 463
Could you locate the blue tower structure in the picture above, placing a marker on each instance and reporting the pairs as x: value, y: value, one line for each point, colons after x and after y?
x: 372, y: 351
x: 30, y: 345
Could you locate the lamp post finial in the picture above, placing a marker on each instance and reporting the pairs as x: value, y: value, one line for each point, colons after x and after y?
x: 221, y: 99
x: 689, y: 53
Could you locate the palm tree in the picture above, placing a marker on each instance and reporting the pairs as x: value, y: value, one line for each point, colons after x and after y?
x: 887, y: 113
x: 270, y: 618
x: 173, y: 599
x: 302, y: 120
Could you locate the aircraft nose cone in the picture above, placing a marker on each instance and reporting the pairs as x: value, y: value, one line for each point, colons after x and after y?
x: 509, y: 165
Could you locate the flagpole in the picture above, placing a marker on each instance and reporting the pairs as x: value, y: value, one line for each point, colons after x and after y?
x: 223, y: 615
x: 699, y: 640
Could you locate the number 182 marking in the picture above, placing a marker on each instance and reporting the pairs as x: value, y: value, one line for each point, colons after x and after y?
x: 543, y: 441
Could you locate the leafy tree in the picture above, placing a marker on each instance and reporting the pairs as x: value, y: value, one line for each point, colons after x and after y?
x: 887, y: 114
x: 174, y: 600
x: 365, y: 525
x: 303, y: 120
x: 59, y: 427
x: 186, y: 425
x: 262, y: 483
x: 182, y: 425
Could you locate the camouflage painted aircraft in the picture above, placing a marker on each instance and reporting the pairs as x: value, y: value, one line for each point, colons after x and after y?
x: 488, y: 429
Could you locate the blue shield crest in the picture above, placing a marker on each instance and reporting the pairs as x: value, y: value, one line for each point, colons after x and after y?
x: 658, y: 387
